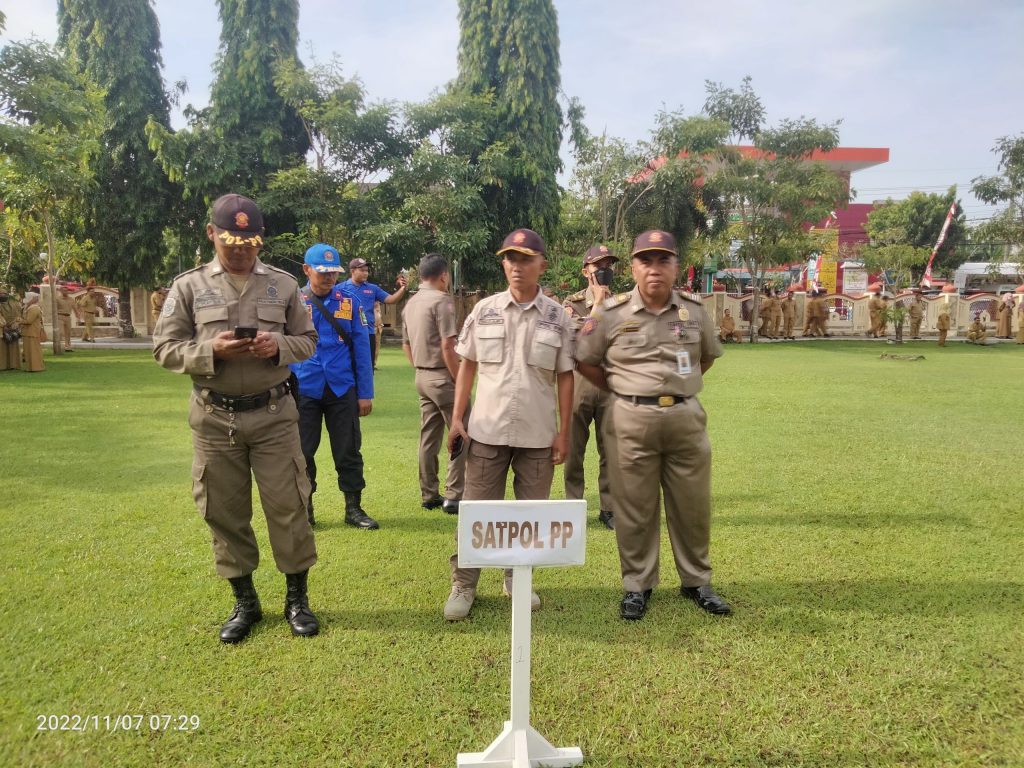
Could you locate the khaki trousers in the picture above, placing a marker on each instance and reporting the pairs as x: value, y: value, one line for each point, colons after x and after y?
x: 10, y: 355
x: 915, y: 327
x: 652, y: 449
x: 437, y: 398
x: 65, y: 331
x: 486, y: 475
x: 87, y: 335
x: 588, y: 405
x: 788, y: 327
x: 230, y: 448
x: 942, y: 337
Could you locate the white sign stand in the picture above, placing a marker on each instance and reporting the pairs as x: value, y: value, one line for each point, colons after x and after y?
x: 519, y: 745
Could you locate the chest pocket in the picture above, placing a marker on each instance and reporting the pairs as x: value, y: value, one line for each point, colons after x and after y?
x: 490, y: 343
x: 271, y: 317
x: 544, y: 348
x: 209, y: 317
x: 631, y: 340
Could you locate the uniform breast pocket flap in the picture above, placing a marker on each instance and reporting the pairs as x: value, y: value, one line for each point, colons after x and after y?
x: 628, y: 340
x: 271, y: 317
x: 212, y: 315
x: 490, y: 342
x: 544, y: 350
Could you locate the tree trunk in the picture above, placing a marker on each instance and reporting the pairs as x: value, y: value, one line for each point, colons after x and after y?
x: 899, y: 333
x: 124, y: 311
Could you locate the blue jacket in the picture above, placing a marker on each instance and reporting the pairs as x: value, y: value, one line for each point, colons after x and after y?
x: 332, y: 362
x: 368, y: 294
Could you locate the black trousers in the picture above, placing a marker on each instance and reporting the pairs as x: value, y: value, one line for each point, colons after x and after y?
x: 341, y: 414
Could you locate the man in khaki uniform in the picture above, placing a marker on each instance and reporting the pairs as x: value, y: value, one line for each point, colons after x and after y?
x: 89, y: 307
x: 589, y: 402
x: 429, y: 333
x: 876, y: 311
x: 977, y: 332
x: 727, y: 329
x: 520, y: 343
x: 10, y: 327
x: 65, y: 306
x: 765, y: 312
x: 775, y: 314
x: 942, y: 323
x: 915, y: 311
x: 234, y: 325
x: 651, y: 348
x: 156, y: 303
x: 788, y: 306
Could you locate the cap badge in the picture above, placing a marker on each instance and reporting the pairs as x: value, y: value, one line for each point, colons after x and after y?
x: 519, y: 237
x: 655, y: 237
x: 604, y: 249
x: 328, y: 256
x: 241, y: 220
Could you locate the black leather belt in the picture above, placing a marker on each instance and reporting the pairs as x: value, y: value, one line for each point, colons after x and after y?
x: 239, y: 403
x: 663, y: 400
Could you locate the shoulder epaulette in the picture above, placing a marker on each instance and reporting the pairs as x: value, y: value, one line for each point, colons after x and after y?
x: 614, y: 301
x: 696, y: 298
x: 278, y: 269
x: 188, y: 272
x: 578, y: 296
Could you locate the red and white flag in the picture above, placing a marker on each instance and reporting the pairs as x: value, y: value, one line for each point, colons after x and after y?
x: 926, y: 281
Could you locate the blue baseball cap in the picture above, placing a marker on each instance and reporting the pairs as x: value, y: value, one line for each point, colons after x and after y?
x: 324, y: 258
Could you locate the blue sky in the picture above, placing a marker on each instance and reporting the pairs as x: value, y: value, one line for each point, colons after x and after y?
x: 936, y: 81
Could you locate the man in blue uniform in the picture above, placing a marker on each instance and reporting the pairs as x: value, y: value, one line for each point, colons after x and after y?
x: 336, y: 383
x: 369, y: 294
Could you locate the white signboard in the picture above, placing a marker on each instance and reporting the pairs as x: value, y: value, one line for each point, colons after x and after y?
x: 855, y: 281
x: 504, y: 534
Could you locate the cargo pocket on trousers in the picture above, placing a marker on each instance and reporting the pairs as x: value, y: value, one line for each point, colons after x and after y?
x: 483, y: 450
x: 199, y: 494
x: 302, y: 481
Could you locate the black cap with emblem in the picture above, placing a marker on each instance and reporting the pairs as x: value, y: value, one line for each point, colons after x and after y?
x: 239, y: 219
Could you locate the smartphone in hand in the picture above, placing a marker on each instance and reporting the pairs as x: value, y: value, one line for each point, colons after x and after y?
x: 245, y: 331
x: 457, y: 447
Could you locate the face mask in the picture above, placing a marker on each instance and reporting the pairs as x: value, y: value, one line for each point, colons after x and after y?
x: 604, y: 275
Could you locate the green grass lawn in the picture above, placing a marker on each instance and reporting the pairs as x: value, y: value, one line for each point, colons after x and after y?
x: 867, y: 531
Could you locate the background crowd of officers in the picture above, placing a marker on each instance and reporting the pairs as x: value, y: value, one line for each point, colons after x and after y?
x: 21, y: 325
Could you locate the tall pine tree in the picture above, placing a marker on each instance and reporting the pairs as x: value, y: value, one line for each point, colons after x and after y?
x: 251, y: 121
x: 117, y: 45
x: 510, y: 47
x: 248, y: 132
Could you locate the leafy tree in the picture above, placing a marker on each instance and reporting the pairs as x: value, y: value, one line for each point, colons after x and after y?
x: 436, y: 199
x: 248, y: 131
x: 653, y: 185
x: 352, y: 146
x: 118, y: 46
x: 509, y: 48
x: 1007, y: 226
x: 901, y: 235
x: 773, y: 192
x: 51, y: 118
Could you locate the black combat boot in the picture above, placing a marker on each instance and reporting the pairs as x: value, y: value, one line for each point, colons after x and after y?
x: 247, y: 611
x: 355, y: 514
x: 296, y: 606
x: 309, y: 511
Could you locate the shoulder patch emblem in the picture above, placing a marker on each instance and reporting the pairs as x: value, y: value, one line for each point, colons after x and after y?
x: 588, y: 326
x: 169, y: 304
